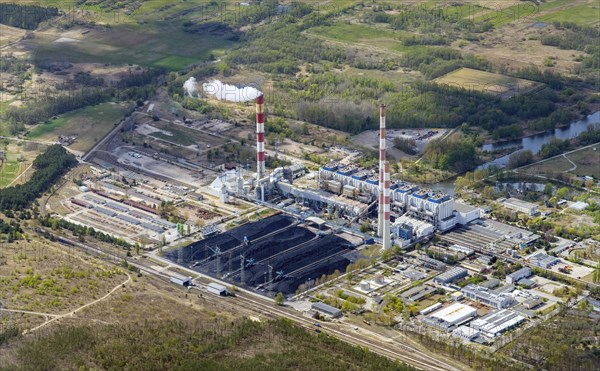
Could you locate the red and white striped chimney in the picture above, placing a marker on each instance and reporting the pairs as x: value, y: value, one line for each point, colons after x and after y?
x: 386, y: 206
x: 382, y: 148
x: 260, y: 138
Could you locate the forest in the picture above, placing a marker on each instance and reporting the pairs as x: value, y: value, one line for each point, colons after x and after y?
x: 27, y: 17
x: 134, y: 86
x: 48, y: 168
x: 200, y: 345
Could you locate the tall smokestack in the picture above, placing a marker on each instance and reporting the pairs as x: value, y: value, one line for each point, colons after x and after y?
x: 260, y: 138
x: 381, y: 167
x: 386, y: 206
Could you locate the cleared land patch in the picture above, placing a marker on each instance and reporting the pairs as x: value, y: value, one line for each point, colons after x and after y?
x: 165, y: 45
x: 486, y: 82
x: 88, y: 124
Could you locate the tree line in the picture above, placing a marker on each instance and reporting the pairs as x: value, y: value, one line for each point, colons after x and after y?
x: 82, y: 231
x: 27, y: 17
x: 48, y: 168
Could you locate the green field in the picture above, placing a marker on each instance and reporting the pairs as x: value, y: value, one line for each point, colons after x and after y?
x: 353, y: 32
x: 88, y: 124
x: 9, y: 170
x: 548, y: 168
x: 163, y: 45
x: 486, y: 82
x: 587, y: 161
x: 585, y: 14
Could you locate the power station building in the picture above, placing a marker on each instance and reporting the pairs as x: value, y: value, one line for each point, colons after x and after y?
x: 423, y: 204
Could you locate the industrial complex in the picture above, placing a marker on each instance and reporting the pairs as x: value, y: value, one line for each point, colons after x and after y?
x: 293, y: 231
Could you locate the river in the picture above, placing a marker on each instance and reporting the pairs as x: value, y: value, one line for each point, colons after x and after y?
x: 535, y: 142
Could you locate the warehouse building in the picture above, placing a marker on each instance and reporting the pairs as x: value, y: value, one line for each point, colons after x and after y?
x: 451, y: 316
x: 418, y: 293
x: 466, y: 213
x: 488, y: 297
x: 461, y: 249
x: 326, y: 309
x: 465, y: 332
x: 178, y: 279
x: 451, y: 276
x: 521, y: 206
x: 498, y: 322
x: 516, y: 276
x: 544, y: 260
x: 215, y: 288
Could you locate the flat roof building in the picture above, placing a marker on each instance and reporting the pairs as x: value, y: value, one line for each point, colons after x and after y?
x: 451, y: 316
x: 215, y: 288
x: 521, y: 206
x: 488, y: 297
x: 498, y: 322
x: 451, y: 275
x: 327, y: 309
x: 181, y: 280
x: 544, y: 260
x: 516, y: 276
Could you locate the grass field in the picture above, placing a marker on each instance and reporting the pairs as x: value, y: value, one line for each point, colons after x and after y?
x: 487, y: 82
x: 548, y: 168
x: 9, y: 170
x: 587, y: 161
x: 353, y: 32
x: 500, y: 16
x: 584, y: 14
x: 88, y: 124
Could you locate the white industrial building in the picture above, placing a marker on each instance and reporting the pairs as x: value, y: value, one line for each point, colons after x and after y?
x: 420, y: 228
x: 451, y: 316
x: 521, y: 206
x: 433, y: 207
x: 498, y: 322
x: 516, y: 276
x: 466, y: 213
x: 488, y: 297
x: 465, y: 332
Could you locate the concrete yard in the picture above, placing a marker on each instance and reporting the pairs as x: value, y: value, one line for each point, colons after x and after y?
x: 294, y: 252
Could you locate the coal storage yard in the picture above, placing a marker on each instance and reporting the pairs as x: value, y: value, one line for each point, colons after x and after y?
x: 292, y: 252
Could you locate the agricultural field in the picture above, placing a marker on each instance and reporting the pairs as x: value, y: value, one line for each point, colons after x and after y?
x: 486, y: 82
x: 88, y: 124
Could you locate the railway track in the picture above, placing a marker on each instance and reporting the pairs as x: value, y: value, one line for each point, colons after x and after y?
x: 406, y: 354
x: 251, y: 306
